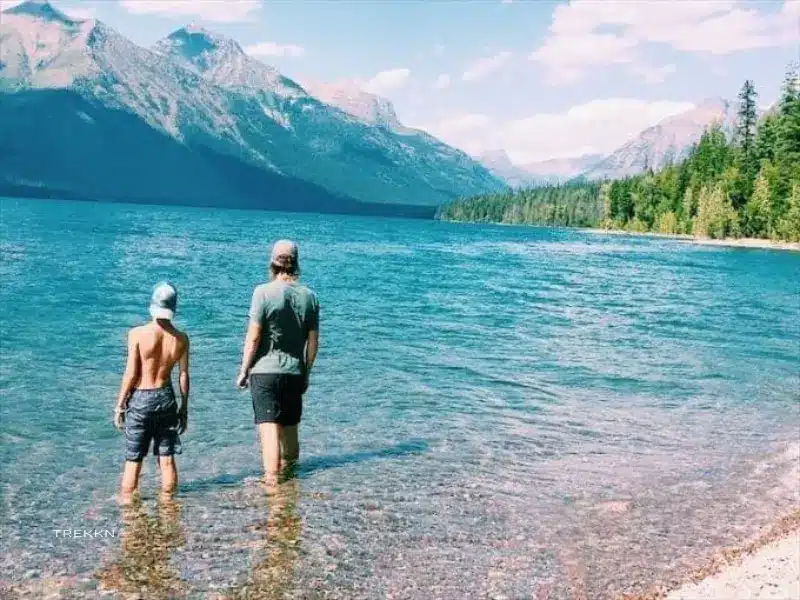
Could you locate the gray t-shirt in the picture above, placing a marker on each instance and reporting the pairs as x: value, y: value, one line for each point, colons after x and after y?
x: 286, y: 312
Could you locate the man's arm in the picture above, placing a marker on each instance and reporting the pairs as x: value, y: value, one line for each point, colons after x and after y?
x: 129, y: 379
x: 312, y: 345
x: 251, y: 342
x: 184, y: 382
x: 312, y: 342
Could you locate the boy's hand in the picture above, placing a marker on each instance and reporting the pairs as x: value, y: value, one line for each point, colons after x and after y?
x: 183, y: 420
x: 119, y: 418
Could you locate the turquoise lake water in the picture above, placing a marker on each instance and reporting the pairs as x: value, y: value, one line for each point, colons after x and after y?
x: 496, y: 411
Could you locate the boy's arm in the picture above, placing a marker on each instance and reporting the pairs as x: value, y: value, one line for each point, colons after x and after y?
x: 184, y: 382
x: 129, y: 379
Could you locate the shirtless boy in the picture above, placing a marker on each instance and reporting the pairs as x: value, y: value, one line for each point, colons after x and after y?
x: 146, y: 406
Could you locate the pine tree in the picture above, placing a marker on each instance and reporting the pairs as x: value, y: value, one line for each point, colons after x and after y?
x: 715, y: 218
x: 689, y: 208
x: 605, y: 200
x: 789, y: 228
x: 668, y: 223
x: 787, y: 152
x: 766, y: 138
x: 745, y: 133
x: 758, y: 210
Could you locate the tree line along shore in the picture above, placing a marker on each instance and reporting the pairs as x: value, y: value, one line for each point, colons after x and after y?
x: 744, y: 185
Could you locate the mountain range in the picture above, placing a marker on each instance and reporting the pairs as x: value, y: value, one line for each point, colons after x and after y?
x: 546, y: 172
x: 667, y: 142
x: 85, y: 112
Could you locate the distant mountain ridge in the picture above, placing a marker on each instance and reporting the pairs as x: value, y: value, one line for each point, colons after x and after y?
x: 202, y: 92
x: 547, y: 172
x: 668, y: 141
x: 499, y: 163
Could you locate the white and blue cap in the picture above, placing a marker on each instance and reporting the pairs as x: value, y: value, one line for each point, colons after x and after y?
x: 164, y: 301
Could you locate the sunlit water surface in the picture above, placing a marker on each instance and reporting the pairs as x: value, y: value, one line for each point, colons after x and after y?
x: 496, y: 413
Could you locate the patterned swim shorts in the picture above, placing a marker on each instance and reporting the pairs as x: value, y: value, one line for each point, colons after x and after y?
x: 152, y: 416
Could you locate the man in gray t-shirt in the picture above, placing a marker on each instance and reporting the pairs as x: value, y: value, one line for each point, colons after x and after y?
x: 279, y: 352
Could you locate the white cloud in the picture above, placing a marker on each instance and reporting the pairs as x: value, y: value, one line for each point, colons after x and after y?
x: 654, y: 74
x: 599, y: 126
x: 6, y: 4
x: 387, y: 81
x: 442, y: 81
x: 274, y: 49
x: 579, y: 36
x: 219, y: 11
x: 80, y: 12
x: 484, y: 66
x: 565, y: 56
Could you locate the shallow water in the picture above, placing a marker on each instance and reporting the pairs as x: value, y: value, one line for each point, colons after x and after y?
x: 497, y: 412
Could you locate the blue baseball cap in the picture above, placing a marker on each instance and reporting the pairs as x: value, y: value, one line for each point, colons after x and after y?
x: 164, y: 301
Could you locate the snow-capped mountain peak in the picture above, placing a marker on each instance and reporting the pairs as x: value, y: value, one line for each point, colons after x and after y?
x: 222, y: 61
x: 41, y: 10
x: 364, y: 106
x: 44, y: 48
x: 201, y: 48
x: 198, y: 99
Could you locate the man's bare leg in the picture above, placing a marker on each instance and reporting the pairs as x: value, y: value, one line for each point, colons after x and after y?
x: 290, y: 447
x: 269, y: 435
x: 130, y: 480
x: 169, y: 475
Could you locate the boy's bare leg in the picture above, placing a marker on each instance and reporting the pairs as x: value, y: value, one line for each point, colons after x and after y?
x: 169, y: 475
x: 130, y: 480
x: 269, y: 435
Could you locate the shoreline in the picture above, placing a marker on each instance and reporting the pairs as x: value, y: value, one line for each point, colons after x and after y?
x: 757, y: 243
x: 753, y: 243
x: 764, y: 568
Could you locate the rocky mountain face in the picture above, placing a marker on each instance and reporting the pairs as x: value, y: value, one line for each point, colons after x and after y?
x: 499, y: 164
x: 654, y: 148
x: 560, y: 170
x: 547, y: 172
x: 78, y: 93
x: 667, y: 142
x: 366, y: 107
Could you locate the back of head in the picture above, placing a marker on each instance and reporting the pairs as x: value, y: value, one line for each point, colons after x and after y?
x: 284, y: 258
x: 163, y: 301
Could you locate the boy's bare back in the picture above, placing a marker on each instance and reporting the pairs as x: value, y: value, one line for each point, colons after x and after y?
x: 159, y: 347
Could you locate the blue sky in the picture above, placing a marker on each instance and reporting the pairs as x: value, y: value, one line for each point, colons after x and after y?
x: 539, y: 79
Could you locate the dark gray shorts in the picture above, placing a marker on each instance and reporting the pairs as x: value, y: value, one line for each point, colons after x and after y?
x: 152, y: 417
x: 277, y: 398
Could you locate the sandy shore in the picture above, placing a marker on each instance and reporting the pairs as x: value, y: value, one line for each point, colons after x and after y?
x: 773, y: 572
x: 727, y: 242
x: 748, y: 243
x: 766, y: 568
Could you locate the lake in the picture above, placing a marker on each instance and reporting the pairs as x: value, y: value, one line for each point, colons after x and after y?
x: 496, y: 412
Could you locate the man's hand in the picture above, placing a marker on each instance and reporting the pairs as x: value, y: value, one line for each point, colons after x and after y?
x: 119, y: 418
x: 183, y: 420
x: 241, y: 380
